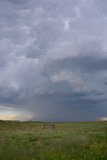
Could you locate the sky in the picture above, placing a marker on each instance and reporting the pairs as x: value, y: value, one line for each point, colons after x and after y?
x: 53, y: 60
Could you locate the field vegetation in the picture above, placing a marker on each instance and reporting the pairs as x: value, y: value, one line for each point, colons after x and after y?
x: 68, y: 141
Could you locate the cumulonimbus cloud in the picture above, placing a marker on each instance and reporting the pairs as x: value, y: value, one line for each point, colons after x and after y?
x: 49, y: 49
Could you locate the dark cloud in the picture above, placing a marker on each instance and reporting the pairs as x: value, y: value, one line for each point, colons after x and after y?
x: 105, y: 83
x: 83, y: 63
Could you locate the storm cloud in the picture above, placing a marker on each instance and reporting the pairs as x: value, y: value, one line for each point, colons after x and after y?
x: 53, y: 59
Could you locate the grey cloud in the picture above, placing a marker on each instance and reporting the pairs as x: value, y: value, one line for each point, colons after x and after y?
x: 53, y: 58
x: 105, y: 83
x: 86, y: 64
x: 102, y: 5
x: 73, y: 108
x: 12, y: 97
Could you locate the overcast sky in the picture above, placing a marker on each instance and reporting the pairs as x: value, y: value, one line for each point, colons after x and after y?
x: 53, y: 60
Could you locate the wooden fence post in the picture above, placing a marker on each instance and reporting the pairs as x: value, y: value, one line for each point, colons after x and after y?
x: 48, y: 125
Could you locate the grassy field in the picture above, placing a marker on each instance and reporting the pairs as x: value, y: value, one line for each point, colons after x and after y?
x: 69, y: 141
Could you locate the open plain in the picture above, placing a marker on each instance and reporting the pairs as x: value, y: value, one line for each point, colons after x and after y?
x: 67, y: 141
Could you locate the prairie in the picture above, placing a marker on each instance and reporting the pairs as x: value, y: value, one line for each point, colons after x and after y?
x: 68, y: 141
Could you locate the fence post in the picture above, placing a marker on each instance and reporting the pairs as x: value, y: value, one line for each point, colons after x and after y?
x: 48, y: 125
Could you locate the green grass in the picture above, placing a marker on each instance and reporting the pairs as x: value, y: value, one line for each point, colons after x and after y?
x: 69, y: 141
